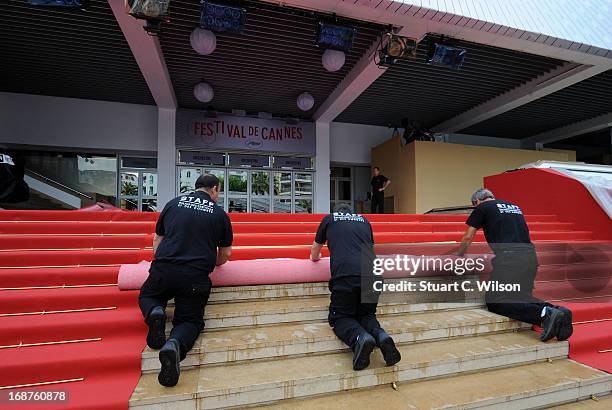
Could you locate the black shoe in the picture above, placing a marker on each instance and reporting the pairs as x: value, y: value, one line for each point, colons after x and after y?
x: 364, y: 345
x: 566, y: 329
x: 170, y: 359
x: 551, y: 323
x: 157, y: 328
x: 388, y: 349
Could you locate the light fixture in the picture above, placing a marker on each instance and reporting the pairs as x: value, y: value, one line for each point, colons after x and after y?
x: 305, y: 101
x: 448, y: 56
x: 219, y: 17
x: 203, y: 41
x: 154, y: 12
x: 396, y: 48
x: 76, y: 4
x: 335, y: 37
x: 203, y: 92
x: 264, y: 115
x: 333, y: 60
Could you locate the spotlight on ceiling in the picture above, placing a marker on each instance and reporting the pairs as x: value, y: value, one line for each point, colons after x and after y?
x: 335, y: 37
x: 396, y: 48
x: 154, y: 12
x: 220, y: 17
x: 441, y: 53
x: 73, y: 4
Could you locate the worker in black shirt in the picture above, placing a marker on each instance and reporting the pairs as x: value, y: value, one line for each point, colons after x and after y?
x: 351, y: 245
x: 515, y: 262
x: 379, y: 184
x: 192, y: 236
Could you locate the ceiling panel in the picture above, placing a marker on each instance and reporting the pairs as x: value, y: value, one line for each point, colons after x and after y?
x: 432, y: 94
x: 581, y: 101
x: 263, y: 69
x: 68, y: 53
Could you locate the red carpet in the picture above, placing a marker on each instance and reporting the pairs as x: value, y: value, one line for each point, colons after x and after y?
x: 65, y: 264
x: 99, y: 328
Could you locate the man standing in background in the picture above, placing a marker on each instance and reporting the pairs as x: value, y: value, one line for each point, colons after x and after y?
x: 379, y: 184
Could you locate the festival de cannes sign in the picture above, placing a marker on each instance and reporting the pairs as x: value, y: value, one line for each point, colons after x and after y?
x: 194, y: 130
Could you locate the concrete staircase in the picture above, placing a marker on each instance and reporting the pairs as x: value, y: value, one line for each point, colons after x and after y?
x: 271, y: 345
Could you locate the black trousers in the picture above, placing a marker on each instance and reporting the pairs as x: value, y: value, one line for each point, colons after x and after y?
x: 348, y: 316
x: 190, y: 290
x: 518, y: 266
x: 378, y: 201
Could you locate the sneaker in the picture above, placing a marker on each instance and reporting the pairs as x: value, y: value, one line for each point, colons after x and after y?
x: 170, y: 359
x: 157, y: 328
x: 388, y: 349
x: 551, y: 323
x: 364, y: 345
x: 566, y: 329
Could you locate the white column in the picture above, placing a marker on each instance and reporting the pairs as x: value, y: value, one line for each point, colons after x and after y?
x: 166, y: 156
x: 321, y: 189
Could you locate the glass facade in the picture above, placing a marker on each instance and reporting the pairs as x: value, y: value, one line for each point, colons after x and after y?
x: 253, y: 188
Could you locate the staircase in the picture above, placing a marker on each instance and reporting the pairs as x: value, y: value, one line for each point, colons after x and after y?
x: 270, y: 345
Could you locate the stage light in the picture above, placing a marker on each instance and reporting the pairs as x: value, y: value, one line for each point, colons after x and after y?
x: 77, y: 4
x: 219, y: 17
x: 148, y: 9
x: 335, y: 37
x: 448, y: 56
x: 154, y: 12
x: 396, y: 48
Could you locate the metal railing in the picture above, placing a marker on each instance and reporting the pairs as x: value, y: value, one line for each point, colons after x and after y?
x: 56, y: 184
x: 450, y: 209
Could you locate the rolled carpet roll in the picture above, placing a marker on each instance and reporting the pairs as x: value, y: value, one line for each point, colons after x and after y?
x: 284, y: 270
x: 241, y: 272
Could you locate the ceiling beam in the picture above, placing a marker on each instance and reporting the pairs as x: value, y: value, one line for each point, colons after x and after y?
x: 358, y: 79
x: 404, y: 14
x: 572, y: 130
x: 545, y: 84
x: 148, y: 54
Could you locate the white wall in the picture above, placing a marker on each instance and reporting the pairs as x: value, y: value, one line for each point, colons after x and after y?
x: 352, y: 143
x: 71, y: 122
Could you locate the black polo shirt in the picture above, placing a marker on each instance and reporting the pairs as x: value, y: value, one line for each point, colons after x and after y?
x: 503, y: 223
x: 350, y: 241
x: 377, y: 183
x: 193, y: 226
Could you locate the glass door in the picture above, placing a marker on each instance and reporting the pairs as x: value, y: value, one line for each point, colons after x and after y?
x: 219, y: 173
x: 282, y: 192
x: 260, y: 191
x: 303, y: 192
x: 138, y: 190
x: 341, y: 187
x: 237, y: 193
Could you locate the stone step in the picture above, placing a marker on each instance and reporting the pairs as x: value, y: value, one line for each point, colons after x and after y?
x: 270, y: 381
x: 595, y: 402
x: 290, y: 339
x: 529, y: 386
x: 225, y: 294
x: 284, y: 310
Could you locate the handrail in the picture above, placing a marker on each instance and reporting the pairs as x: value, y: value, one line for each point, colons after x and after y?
x: 450, y: 208
x: 59, y: 184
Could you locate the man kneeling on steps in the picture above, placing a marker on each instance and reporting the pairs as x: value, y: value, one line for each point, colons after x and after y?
x: 192, y: 235
x: 515, y: 263
x: 351, y: 245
